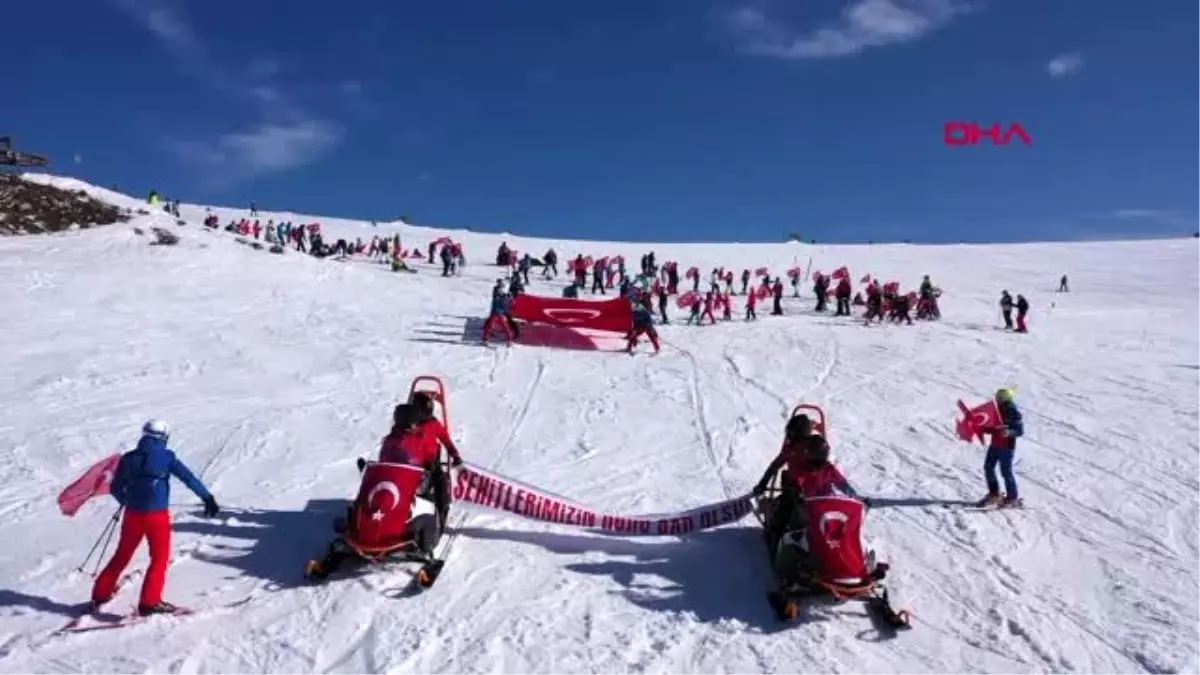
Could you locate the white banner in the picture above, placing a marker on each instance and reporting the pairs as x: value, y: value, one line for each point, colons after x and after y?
x: 474, y: 485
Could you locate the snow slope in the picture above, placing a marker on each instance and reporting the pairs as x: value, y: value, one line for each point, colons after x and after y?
x: 277, y: 371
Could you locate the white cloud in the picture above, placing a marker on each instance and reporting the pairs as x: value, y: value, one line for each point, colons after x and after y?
x: 284, y: 135
x: 1065, y: 64
x: 262, y: 149
x: 863, y: 24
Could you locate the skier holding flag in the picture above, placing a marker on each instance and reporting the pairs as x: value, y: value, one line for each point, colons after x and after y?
x: 1001, y: 451
x: 141, y: 485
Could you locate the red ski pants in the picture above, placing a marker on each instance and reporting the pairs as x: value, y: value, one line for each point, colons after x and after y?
x: 155, y: 527
x: 1021, y: 323
x: 491, y: 323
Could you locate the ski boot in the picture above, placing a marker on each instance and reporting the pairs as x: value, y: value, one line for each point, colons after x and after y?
x: 993, y: 499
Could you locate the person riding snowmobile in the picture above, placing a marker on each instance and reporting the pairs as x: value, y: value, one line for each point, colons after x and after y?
x: 790, y: 458
x: 809, y: 473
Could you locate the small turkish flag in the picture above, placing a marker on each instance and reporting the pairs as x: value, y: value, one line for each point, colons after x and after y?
x: 95, y: 481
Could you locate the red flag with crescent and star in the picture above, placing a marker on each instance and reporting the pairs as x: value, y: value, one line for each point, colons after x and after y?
x: 385, y: 500
x: 976, y: 419
x: 94, y: 482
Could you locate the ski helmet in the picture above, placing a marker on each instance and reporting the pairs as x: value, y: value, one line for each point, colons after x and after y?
x: 156, y: 429
x: 817, y: 451
x: 1005, y: 394
x: 406, y: 416
x: 423, y: 402
x: 798, y: 427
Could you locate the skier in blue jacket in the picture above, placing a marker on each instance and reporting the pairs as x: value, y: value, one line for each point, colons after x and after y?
x: 1002, y: 450
x: 142, y: 485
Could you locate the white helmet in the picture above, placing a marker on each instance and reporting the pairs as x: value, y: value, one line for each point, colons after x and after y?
x: 156, y: 429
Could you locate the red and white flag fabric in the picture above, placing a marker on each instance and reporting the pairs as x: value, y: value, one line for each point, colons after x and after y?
x: 762, y: 272
x: 474, y: 485
x: 93, y: 483
x: 840, y: 272
x: 975, y: 420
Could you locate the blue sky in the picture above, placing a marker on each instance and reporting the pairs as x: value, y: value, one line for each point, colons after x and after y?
x: 629, y: 119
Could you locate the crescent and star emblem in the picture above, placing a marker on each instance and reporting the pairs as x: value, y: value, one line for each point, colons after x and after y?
x: 828, y: 517
x: 387, y: 486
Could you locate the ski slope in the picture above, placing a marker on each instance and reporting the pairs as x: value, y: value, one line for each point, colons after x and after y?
x: 276, y: 372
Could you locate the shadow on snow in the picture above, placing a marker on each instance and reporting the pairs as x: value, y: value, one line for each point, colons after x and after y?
x: 714, y: 575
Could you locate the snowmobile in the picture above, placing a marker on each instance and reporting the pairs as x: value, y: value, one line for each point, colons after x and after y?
x: 394, y: 518
x: 823, y: 555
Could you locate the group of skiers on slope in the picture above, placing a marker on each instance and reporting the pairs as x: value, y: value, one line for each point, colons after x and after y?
x: 808, y: 472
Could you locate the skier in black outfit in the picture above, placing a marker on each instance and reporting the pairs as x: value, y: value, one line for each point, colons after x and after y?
x: 662, y: 304
x: 777, y: 292
x: 1062, y: 285
x: 745, y: 280
x: 1006, y: 307
x: 820, y: 288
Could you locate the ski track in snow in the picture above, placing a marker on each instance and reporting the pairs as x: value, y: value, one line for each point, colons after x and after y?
x: 277, y: 371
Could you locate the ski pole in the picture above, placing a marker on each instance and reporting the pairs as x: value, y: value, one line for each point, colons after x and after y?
x: 106, y: 537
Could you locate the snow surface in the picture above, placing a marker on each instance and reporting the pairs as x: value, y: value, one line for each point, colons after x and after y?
x: 278, y: 371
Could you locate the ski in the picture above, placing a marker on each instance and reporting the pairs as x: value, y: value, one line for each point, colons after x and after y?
x: 96, y: 621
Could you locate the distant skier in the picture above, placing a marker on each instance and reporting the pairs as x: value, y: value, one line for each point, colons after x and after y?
x: 1022, y: 310
x: 142, y: 486
x: 498, y: 318
x: 777, y: 295
x: 695, y: 315
x: 751, y: 302
x: 550, y: 264
x: 874, y: 303
x: 842, y: 295
x: 1006, y: 307
x: 643, y: 324
x: 1002, y: 450
x: 709, y: 300
x: 1062, y: 285
x: 820, y: 289
x: 598, y: 277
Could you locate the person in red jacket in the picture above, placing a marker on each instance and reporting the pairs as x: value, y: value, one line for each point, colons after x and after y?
x: 432, y: 427
x: 807, y: 473
x: 407, y: 442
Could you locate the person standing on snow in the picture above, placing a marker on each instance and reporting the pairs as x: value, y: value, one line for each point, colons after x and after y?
x: 842, y: 295
x: 549, y: 264
x: 598, y: 277
x: 1001, y: 451
x: 1022, y: 310
x: 498, y: 317
x: 751, y: 302
x: 142, y: 486
x: 708, y: 308
x: 1062, y: 285
x: 820, y: 288
x: 643, y: 324
x: 777, y: 294
x: 1006, y: 307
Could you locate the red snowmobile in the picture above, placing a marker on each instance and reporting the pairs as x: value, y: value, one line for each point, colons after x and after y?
x: 394, y: 518
x: 820, y: 552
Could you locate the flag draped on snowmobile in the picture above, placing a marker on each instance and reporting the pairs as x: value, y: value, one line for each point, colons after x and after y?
x: 394, y: 517
x: 820, y: 552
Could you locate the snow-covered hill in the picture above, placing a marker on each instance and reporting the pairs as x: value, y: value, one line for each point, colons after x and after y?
x: 278, y: 371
